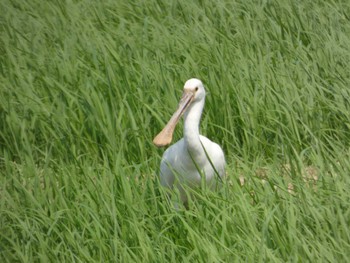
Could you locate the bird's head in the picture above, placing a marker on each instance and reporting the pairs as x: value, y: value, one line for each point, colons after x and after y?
x: 195, y: 88
x: 193, y: 92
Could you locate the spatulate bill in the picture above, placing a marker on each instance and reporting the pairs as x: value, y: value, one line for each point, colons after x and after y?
x: 166, y: 135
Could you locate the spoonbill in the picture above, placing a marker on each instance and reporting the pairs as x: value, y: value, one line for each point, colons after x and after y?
x: 194, y: 157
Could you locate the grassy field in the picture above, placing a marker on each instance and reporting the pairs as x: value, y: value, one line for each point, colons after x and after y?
x: 86, y: 85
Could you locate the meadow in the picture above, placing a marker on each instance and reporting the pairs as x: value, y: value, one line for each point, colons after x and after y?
x: 86, y: 85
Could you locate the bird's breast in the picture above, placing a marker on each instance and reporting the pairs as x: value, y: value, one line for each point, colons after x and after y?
x: 187, y: 166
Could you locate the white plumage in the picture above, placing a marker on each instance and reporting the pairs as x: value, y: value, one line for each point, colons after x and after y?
x: 194, y: 155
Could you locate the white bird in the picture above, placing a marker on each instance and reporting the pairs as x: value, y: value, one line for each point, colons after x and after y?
x: 194, y: 156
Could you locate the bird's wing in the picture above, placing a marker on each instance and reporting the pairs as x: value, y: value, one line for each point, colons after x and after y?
x: 216, y: 155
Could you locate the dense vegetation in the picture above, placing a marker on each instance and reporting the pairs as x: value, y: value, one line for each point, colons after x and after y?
x: 86, y: 85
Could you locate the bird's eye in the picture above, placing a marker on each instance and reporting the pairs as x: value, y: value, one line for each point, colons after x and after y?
x: 196, y: 89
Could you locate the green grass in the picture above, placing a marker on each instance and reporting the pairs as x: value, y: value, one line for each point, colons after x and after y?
x: 86, y: 85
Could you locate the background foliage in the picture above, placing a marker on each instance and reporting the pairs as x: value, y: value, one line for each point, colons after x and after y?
x: 85, y: 86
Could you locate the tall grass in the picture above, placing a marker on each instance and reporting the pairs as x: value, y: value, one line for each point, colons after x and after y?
x: 85, y: 86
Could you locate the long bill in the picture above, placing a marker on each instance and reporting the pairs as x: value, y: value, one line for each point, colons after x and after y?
x: 166, y: 135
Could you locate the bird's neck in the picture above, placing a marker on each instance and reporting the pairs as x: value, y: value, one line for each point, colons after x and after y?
x: 191, y: 128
